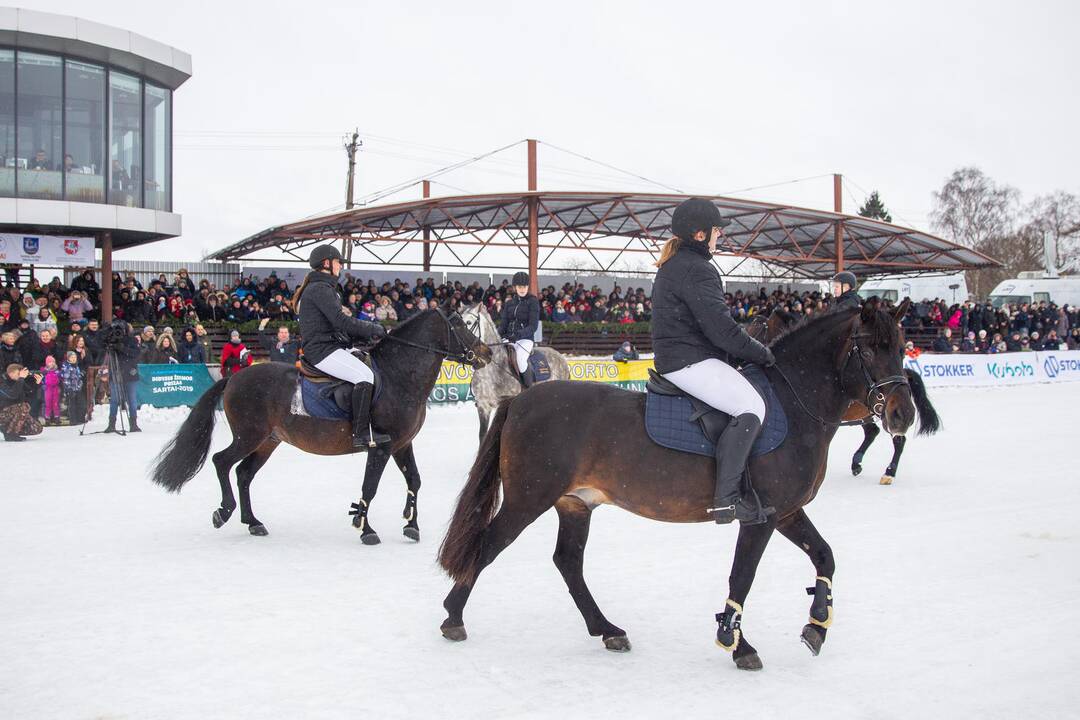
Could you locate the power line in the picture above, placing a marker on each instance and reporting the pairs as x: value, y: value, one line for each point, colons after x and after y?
x: 616, y: 169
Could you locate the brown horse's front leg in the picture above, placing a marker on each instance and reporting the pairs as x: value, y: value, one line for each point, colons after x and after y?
x: 798, y: 529
x: 729, y: 635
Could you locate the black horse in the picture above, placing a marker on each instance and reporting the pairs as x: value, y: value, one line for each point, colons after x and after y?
x: 543, y: 461
x: 258, y: 404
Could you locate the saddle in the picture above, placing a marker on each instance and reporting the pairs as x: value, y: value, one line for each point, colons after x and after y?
x: 328, y: 397
x: 537, y: 363
x: 679, y: 421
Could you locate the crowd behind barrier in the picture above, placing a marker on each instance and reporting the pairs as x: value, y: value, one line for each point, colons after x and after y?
x: 56, y: 331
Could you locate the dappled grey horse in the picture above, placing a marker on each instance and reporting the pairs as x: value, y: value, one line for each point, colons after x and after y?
x: 498, y: 380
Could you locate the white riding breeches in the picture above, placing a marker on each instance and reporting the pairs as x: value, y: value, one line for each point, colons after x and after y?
x: 343, y: 365
x: 721, y: 386
x: 522, y: 350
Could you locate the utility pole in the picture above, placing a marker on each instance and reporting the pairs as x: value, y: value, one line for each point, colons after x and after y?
x: 350, y: 150
x: 838, y: 207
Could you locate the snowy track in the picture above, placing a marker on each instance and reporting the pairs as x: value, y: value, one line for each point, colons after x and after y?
x: 957, y: 589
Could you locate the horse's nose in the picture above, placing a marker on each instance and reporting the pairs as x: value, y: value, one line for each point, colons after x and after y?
x: 898, y: 416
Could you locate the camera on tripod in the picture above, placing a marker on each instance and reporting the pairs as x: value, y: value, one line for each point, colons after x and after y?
x: 115, y: 336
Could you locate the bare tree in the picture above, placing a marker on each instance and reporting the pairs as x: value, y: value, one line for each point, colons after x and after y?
x: 972, y: 210
x: 1056, y: 217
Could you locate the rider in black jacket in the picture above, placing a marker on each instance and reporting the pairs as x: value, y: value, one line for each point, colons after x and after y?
x: 843, y: 289
x: 520, y: 318
x: 328, y: 333
x: 694, y: 336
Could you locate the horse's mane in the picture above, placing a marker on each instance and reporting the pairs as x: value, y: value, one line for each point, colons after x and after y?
x: 815, y: 324
x: 401, y: 326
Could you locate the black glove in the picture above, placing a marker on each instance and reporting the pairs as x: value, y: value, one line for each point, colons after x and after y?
x: 378, y: 331
x: 769, y: 360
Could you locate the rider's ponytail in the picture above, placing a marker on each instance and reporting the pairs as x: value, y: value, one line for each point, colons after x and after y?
x: 670, y: 248
x: 296, y: 295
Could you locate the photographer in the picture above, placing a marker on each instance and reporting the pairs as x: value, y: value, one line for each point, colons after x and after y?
x: 122, y: 358
x: 17, y: 388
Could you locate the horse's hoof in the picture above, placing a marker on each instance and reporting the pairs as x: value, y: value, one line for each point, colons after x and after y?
x: 856, y: 468
x: 617, y: 643
x: 258, y: 530
x: 370, y: 538
x: 749, y: 662
x: 219, y: 518
x: 411, y: 533
x: 812, y: 638
x: 456, y: 633
x: 886, y: 480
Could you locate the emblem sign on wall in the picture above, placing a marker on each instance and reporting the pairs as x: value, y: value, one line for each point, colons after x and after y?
x: 60, y: 250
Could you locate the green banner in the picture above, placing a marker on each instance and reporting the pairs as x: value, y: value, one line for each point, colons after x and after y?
x: 172, y: 385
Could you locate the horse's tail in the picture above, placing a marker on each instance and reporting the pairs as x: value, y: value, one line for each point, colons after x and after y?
x: 929, y: 420
x: 183, y: 457
x: 462, y: 549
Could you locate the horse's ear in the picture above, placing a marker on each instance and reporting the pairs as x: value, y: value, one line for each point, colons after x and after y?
x: 869, y: 309
x: 901, y: 311
x: 445, y: 306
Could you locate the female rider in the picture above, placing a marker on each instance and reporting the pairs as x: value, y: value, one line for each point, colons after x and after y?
x: 694, y: 336
x: 520, y: 318
x: 326, y: 334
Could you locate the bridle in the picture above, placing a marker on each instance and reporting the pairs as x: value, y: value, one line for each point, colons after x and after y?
x: 467, y: 356
x: 878, y: 391
x: 876, y: 395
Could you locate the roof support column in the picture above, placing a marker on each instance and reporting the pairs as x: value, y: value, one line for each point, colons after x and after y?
x: 105, y: 238
x: 427, y: 232
x: 534, y: 225
x: 838, y: 206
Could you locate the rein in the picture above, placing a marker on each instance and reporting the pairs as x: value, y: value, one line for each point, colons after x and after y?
x: 467, y: 357
x: 876, y: 405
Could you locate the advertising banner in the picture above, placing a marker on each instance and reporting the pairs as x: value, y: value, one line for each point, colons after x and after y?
x: 453, y: 384
x: 27, y: 249
x: 172, y: 385
x: 1018, y: 368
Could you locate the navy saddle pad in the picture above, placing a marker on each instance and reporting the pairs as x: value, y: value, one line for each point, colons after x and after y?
x: 539, y: 365
x: 333, y: 400
x: 668, y: 423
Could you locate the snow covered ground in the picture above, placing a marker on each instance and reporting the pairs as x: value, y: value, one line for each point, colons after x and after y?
x: 957, y: 589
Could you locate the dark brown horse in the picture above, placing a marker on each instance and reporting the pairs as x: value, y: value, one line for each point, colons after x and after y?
x: 780, y: 321
x: 543, y: 461
x: 258, y: 404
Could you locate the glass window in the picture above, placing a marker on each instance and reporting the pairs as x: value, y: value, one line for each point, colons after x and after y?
x: 39, y: 123
x: 7, y: 123
x: 157, y: 170
x: 84, y: 132
x: 125, y: 140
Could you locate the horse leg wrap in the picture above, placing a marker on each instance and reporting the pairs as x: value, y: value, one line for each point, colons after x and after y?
x: 821, y: 613
x: 410, y: 506
x: 730, y: 622
x: 359, y: 509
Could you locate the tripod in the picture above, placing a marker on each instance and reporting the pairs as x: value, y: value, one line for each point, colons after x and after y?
x: 116, y: 385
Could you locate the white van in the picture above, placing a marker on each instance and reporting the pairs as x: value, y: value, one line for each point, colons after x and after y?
x: 894, y: 288
x: 1060, y: 290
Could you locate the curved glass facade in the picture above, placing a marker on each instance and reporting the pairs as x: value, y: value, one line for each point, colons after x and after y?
x: 76, y: 130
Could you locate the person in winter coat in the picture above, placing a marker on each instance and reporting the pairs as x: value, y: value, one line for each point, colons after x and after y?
x: 72, y: 377
x: 626, y: 352
x: 234, y: 355
x: 9, y: 351
x: 843, y: 289
x: 124, y: 383
x: 204, y: 340
x: 163, y: 351
x: 694, y: 337
x: 943, y: 343
x: 518, y: 324
x: 190, y: 351
x: 327, y: 333
x: 17, y: 387
x: 50, y: 381
x: 279, y: 345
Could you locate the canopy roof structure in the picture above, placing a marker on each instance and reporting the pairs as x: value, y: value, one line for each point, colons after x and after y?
x: 609, y: 225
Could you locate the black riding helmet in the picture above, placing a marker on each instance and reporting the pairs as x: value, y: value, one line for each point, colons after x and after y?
x: 696, y: 214
x: 520, y: 278
x: 845, y: 278
x: 321, y: 253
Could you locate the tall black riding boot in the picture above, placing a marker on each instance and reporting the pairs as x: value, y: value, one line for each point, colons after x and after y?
x: 363, y: 436
x: 133, y: 426
x: 111, y: 427
x: 732, y: 451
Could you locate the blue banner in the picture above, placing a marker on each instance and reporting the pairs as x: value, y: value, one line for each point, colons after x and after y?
x: 172, y: 385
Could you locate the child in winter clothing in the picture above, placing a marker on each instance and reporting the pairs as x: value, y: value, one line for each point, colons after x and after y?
x: 71, y: 377
x: 50, y: 381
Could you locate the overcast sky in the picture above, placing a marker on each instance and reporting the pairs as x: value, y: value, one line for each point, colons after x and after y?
x: 706, y: 96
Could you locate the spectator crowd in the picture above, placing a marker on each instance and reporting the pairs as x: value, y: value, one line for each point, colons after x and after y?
x: 55, y: 332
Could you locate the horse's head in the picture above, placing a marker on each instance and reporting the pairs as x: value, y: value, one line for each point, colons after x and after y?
x: 479, y: 322
x: 464, y: 339
x: 872, y: 366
